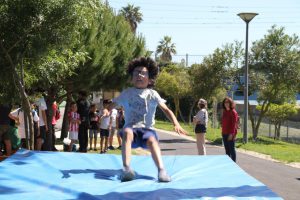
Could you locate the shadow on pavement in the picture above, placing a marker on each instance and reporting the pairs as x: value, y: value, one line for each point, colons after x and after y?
x: 176, y: 141
x: 168, y: 149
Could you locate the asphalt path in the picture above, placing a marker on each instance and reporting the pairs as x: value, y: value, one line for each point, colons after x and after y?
x: 284, y: 180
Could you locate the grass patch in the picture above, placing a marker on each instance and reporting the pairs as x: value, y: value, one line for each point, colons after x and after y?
x: 277, y: 149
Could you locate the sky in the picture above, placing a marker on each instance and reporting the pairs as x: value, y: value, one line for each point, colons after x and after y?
x: 198, y: 27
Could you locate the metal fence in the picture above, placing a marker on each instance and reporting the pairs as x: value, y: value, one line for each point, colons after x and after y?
x: 289, y: 131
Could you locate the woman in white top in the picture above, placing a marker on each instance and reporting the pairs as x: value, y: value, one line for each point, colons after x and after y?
x: 200, y: 121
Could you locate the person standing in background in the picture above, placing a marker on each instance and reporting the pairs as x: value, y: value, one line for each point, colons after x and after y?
x: 74, y: 122
x: 105, y: 126
x: 93, y: 128
x: 229, y: 127
x: 55, y: 117
x: 83, y: 106
x: 120, y: 123
x: 113, y: 121
x: 200, y: 121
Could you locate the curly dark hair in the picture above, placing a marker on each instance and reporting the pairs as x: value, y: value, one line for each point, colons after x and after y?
x: 231, y: 103
x: 147, y: 62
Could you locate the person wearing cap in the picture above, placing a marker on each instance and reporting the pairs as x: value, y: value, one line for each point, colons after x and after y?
x: 200, y: 120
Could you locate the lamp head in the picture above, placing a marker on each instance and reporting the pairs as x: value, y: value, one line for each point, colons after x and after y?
x: 247, y: 17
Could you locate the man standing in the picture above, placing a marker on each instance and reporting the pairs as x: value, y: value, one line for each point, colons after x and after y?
x: 83, y: 109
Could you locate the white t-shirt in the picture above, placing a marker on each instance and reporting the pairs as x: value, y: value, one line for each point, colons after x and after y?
x: 42, y: 106
x: 113, y: 116
x: 202, y: 116
x: 20, y: 114
x: 104, y: 123
x: 139, y: 106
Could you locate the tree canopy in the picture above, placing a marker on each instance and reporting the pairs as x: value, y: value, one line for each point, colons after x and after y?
x: 165, y: 49
x: 132, y: 15
x: 275, y: 61
x: 67, y: 45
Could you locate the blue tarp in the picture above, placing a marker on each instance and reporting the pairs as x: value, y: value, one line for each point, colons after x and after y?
x: 76, y: 176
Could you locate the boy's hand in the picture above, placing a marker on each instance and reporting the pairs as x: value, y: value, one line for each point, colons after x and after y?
x: 179, y: 130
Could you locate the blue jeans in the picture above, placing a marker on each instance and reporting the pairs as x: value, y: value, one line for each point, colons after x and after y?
x: 229, y: 147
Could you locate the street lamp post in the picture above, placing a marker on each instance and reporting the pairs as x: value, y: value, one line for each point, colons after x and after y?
x: 247, y: 17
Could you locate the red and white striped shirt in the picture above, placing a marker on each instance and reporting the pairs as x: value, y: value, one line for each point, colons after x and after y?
x: 73, y: 126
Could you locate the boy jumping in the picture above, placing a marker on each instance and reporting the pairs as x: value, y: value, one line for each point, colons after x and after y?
x: 139, y: 103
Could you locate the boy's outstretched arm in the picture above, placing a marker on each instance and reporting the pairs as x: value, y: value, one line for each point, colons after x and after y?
x: 172, y: 118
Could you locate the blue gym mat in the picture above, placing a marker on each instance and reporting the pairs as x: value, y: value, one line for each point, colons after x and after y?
x: 76, y: 176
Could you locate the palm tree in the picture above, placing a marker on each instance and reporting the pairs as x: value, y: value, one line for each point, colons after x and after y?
x: 133, y: 15
x: 166, y: 48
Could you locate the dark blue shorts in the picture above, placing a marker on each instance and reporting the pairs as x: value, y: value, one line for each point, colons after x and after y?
x: 104, y: 132
x: 140, y: 137
x: 200, y: 128
x: 42, y: 132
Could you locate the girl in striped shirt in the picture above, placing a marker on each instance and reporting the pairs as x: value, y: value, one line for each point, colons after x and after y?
x: 74, y: 121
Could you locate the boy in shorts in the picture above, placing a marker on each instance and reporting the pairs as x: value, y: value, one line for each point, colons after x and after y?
x: 74, y: 121
x: 139, y: 103
x: 93, y: 128
x: 105, y: 126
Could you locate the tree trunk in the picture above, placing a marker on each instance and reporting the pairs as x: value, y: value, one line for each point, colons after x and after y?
x: 181, y: 116
x: 277, y: 130
x: 275, y: 134
x: 65, y: 125
x: 255, y: 126
x: 191, y: 112
x: 279, y: 126
x: 176, y: 102
x: 25, y: 102
x: 26, y: 129
x: 48, y: 144
x: 28, y: 120
x: 215, y: 114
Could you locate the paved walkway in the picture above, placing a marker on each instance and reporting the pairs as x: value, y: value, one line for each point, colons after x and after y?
x: 281, y: 178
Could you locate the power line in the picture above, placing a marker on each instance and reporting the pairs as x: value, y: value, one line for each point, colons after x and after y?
x: 224, y: 28
x: 202, y: 18
x: 211, y: 23
x: 207, y: 6
x: 214, y: 11
x: 194, y: 55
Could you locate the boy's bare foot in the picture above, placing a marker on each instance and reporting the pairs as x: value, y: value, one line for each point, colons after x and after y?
x: 127, y: 175
x: 163, y: 176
